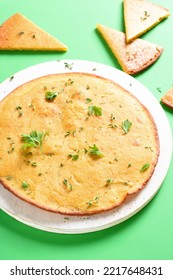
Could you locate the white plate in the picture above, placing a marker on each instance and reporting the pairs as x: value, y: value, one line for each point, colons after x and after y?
x: 47, y: 221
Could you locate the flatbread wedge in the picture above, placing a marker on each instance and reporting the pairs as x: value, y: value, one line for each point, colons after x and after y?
x: 140, y: 16
x: 167, y: 99
x: 19, y: 33
x: 75, y: 143
x: 133, y: 57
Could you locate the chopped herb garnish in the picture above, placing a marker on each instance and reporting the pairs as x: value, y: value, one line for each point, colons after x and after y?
x: 109, y: 181
x: 19, y: 109
x: 25, y: 185
x: 93, y: 201
x: 67, y: 134
x: 9, y: 177
x: 129, y: 165
x: 11, y: 78
x: 126, y: 125
x: 159, y: 89
x: 146, y: 15
x: 88, y: 100
x: 51, y: 95
x: 34, y: 164
x: 112, y: 125
x: 112, y: 117
x: 12, y: 145
x: 88, y: 87
x: 69, y: 82
x: 21, y: 33
x: 94, y: 110
x: 145, y: 167
x: 34, y: 140
x: 94, y: 150
x: 67, y: 184
x: 68, y: 66
x: 73, y: 157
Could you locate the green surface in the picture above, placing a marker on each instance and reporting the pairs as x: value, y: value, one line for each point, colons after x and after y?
x: 148, y: 234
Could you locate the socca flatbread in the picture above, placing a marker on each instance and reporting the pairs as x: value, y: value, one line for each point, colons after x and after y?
x: 140, y: 16
x: 75, y: 144
x: 19, y: 33
x: 133, y: 57
x: 167, y: 99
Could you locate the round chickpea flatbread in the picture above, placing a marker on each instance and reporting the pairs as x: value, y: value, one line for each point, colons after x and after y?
x: 75, y: 143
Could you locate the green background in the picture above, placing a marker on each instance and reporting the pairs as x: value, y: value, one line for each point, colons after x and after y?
x: 148, y: 234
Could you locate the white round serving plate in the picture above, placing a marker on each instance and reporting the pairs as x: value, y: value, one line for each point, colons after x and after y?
x: 41, y: 219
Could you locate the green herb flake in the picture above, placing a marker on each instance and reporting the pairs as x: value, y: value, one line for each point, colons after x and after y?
x: 67, y: 134
x: 34, y: 140
x: 9, y: 177
x: 109, y: 182
x: 34, y: 164
x: 68, y: 185
x: 126, y: 125
x: 21, y: 33
x: 88, y: 100
x: 68, y: 65
x: 94, y: 150
x: 51, y: 95
x: 19, y: 109
x: 112, y: 117
x: 93, y: 201
x: 145, y: 167
x: 146, y: 15
x: 25, y: 185
x: 73, y: 157
x: 111, y: 125
x: 94, y: 110
x: 11, y: 78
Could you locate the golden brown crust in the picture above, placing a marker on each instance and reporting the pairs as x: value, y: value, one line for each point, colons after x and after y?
x: 89, y: 184
x: 19, y: 33
x: 133, y: 57
x: 140, y: 16
x: 167, y: 99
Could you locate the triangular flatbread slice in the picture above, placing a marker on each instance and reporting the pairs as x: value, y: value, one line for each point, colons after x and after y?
x: 140, y: 16
x: 167, y: 99
x: 19, y: 33
x: 133, y: 57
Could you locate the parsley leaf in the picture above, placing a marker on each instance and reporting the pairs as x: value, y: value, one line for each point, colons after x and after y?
x: 25, y: 185
x: 67, y: 184
x: 126, y: 125
x: 34, y: 140
x: 74, y: 157
x: 94, y: 110
x: 145, y: 167
x: 95, y: 151
x: 88, y: 100
x: 51, y: 95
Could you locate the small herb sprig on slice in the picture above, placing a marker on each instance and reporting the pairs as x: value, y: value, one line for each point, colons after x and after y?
x: 94, y: 150
x: 94, y: 110
x: 51, y: 95
x: 93, y: 201
x: 34, y: 140
x: 126, y: 125
x: 73, y: 156
x: 24, y: 185
x: 145, y: 167
x: 68, y: 185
